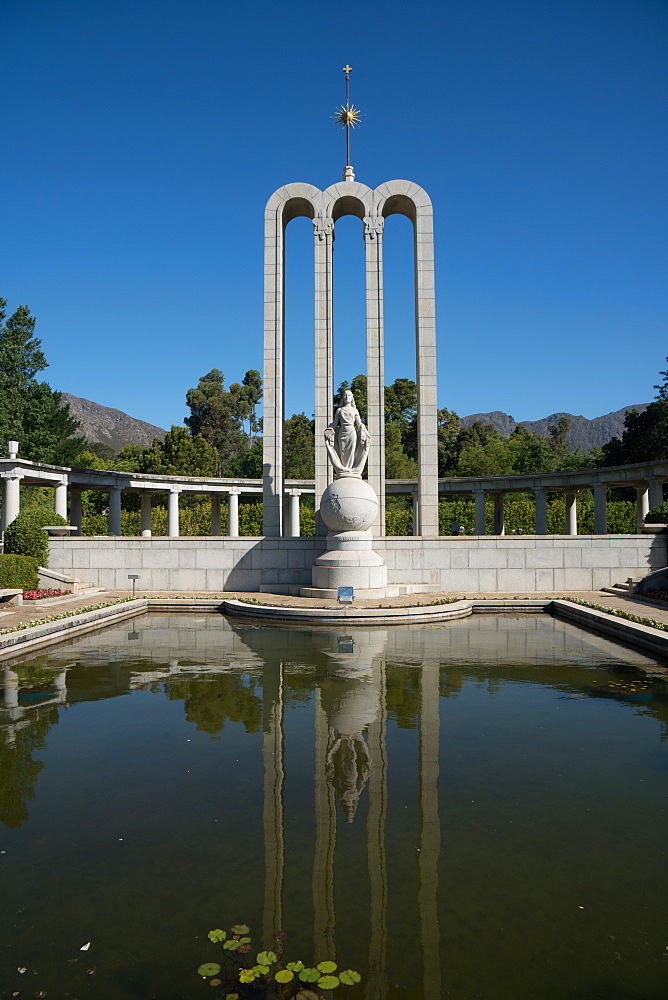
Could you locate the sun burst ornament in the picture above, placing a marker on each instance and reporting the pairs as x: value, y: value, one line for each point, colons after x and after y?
x: 348, y: 116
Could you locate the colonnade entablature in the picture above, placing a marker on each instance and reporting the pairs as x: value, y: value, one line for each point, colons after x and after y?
x: 647, y: 478
x: 324, y: 208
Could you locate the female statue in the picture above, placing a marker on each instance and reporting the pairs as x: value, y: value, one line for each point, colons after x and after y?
x: 347, y: 440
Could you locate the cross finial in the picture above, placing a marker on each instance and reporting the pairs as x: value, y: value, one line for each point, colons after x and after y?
x: 347, y: 69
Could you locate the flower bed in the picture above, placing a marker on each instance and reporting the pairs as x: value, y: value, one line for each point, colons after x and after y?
x: 38, y: 595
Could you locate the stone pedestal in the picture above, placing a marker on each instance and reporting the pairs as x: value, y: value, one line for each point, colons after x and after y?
x: 349, y: 507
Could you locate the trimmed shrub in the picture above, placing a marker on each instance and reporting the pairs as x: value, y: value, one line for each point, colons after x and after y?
x: 658, y: 515
x: 25, y: 537
x: 18, y: 571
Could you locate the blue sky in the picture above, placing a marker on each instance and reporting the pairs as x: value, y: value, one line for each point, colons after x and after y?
x: 142, y: 139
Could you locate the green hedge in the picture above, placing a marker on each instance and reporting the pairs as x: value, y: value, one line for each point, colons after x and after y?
x: 18, y: 571
x: 25, y: 537
x: 658, y: 515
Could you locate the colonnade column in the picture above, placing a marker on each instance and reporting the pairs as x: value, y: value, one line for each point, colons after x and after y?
x: 11, y: 504
x: 76, y: 512
x: 429, y: 833
x: 272, y: 437
x: 540, y: 523
x: 642, y: 506
x: 146, y: 523
x: 323, y: 231
x: 600, y: 510
x: 416, y: 515
x: 655, y: 493
x: 571, y: 513
x: 233, y: 513
x: 215, y: 513
x: 499, y: 515
x: 292, y: 519
x: 375, y: 368
x: 115, y: 510
x: 173, y: 512
x: 480, y: 524
x: 60, y: 499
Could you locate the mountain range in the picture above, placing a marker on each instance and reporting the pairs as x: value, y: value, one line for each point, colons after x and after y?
x: 116, y: 429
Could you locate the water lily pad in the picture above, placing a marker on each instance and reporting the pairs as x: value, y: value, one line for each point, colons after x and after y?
x: 267, y: 958
x: 326, y: 967
x: 244, y: 940
x: 261, y: 970
x: 208, y: 969
x: 217, y: 935
x: 284, y: 976
x: 231, y: 996
x: 231, y: 945
x: 307, y: 995
x: 309, y: 975
x: 247, y: 976
x: 240, y: 929
x: 328, y: 982
x: 215, y: 982
x: 349, y: 977
x: 295, y: 966
x: 244, y: 949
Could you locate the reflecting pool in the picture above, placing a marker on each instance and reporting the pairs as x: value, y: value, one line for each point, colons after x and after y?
x: 477, y: 809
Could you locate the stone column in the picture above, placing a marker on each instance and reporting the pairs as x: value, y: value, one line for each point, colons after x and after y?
x: 293, y: 515
x: 499, y: 515
x: 60, y: 499
x: 215, y: 513
x: 11, y: 505
x: 115, y: 510
x: 273, y: 810
x: 173, y: 512
x: 146, y: 522
x: 375, y: 367
x: 429, y: 831
x: 76, y: 513
x: 571, y: 513
x: 425, y: 367
x: 600, y: 510
x: 233, y: 514
x: 642, y: 506
x: 540, y: 497
x: 416, y: 515
x: 323, y: 231
x: 655, y: 493
x: 480, y: 516
x: 272, y: 438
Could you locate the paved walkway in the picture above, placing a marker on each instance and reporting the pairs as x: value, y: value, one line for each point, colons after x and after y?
x: 27, y: 612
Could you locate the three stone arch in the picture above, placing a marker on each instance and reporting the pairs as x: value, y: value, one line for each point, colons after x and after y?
x: 324, y: 208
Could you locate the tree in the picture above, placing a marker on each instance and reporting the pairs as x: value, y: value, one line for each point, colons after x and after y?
x: 491, y: 459
x: 218, y: 414
x: 181, y: 454
x: 30, y: 411
x: 358, y: 387
x: 299, y: 447
x: 397, y: 463
x: 645, y: 437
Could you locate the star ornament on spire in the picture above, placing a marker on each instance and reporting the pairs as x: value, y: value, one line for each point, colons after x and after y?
x: 348, y: 116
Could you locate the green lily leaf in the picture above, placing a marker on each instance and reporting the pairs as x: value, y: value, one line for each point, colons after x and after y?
x: 261, y: 970
x: 231, y: 945
x: 208, y: 969
x: 231, y: 996
x: 309, y: 975
x: 215, y: 982
x: 307, y: 995
x: 267, y: 958
x: 349, y: 977
x: 284, y: 976
x: 326, y: 967
x: 217, y: 935
x: 247, y: 976
x: 295, y: 966
x: 240, y: 929
x: 244, y: 940
x: 328, y: 982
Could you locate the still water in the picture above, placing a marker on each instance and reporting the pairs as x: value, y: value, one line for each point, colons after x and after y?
x: 477, y: 809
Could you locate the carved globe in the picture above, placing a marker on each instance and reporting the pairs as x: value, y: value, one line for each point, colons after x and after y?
x: 349, y: 504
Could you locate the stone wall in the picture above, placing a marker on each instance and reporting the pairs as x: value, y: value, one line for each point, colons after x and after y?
x: 463, y: 564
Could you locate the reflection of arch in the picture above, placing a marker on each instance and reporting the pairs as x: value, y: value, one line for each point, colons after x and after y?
x: 324, y: 208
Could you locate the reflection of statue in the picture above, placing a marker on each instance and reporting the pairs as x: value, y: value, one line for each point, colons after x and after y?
x: 347, y: 440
